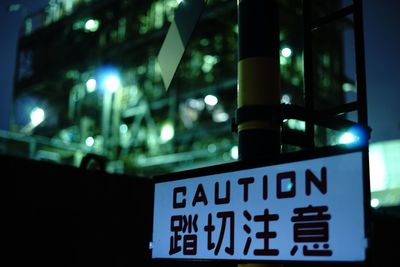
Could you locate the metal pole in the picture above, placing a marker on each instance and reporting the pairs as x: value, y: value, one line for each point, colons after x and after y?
x: 308, y: 72
x: 363, y: 112
x: 258, y: 82
x: 258, y: 79
x: 106, y: 120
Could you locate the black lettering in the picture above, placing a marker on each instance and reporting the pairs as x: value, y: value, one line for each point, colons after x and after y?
x: 321, y: 184
x: 218, y: 199
x: 200, y: 196
x: 265, y: 187
x: 289, y: 189
x: 182, y: 203
x: 245, y: 182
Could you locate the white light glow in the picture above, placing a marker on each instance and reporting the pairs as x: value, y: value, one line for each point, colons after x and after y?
x: 212, y: 148
x: 348, y: 87
x: 179, y: 1
x: 296, y: 125
x: 286, y: 99
x: 112, y: 83
x: 123, y: 128
x: 286, y: 52
x: 374, y: 202
x: 235, y: 152
x: 167, y: 132
x: 89, y: 141
x: 91, y: 85
x: 348, y: 138
x: 37, y: 116
x: 92, y: 25
x: 211, y: 100
x: 220, y: 116
x: 377, y: 168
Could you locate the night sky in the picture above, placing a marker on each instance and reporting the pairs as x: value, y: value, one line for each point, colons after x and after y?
x: 382, y: 46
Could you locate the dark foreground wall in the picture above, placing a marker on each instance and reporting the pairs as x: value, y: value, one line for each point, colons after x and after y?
x: 63, y: 216
x: 55, y: 215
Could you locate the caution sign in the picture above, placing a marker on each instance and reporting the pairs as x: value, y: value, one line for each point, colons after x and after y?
x: 311, y: 210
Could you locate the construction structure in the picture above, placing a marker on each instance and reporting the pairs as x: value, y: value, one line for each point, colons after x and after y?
x: 88, y: 70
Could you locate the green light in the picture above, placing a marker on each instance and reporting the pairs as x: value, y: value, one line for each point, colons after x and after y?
x: 208, y: 62
x: 14, y: 7
x: 92, y: 25
x: 283, y: 60
x: 296, y: 125
x: 348, y: 87
x: 123, y: 128
x: 286, y: 52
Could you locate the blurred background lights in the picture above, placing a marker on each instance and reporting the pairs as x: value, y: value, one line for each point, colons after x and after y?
x: 89, y: 141
x: 348, y: 138
x: 220, y: 116
x: 92, y: 25
x: 286, y: 52
x: 212, y: 148
x: 112, y: 83
x: 374, y: 202
x: 91, y: 85
x: 384, y: 158
x: 123, y: 128
x: 286, y: 99
x: 197, y: 104
x: 167, y: 132
x: 211, y: 100
x: 296, y: 124
x: 37, y: 116
x: 179, y: 1
x: 235, y: 152
x: 354, y: 136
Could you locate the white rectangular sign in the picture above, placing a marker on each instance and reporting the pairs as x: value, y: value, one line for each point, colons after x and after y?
x: 311, y: 210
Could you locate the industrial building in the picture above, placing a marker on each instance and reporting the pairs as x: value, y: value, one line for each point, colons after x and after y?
x: 88, y: 70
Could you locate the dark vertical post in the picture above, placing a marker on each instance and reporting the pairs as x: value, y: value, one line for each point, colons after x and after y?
x: 308, y: 72
x: 362, y: 109
x: 360, y: 63
x: 258, y: 78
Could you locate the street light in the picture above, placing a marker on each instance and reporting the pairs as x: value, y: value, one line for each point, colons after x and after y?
x: 37, y: 116
x: 91, y: 85
x: 108, y: 82
x: 354, y: 136
x: 112, y: 83
x: 92, y: 25
x: 286, y: 52
x: 167, y: 132
x: 211, y: 100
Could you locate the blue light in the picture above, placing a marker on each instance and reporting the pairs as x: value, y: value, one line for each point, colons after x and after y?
x: 354, y: 136
x: 109, y: 78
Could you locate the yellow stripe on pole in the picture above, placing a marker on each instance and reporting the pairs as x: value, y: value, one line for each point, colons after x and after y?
x: 257, y: 87
x: 259, y: 80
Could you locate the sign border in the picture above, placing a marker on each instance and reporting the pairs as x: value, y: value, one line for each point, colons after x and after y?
x: 270, y: 161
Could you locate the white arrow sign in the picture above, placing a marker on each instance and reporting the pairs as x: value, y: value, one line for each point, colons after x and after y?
x: 178, y: 35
